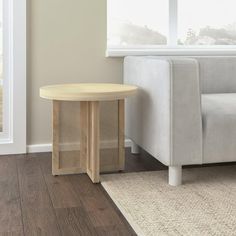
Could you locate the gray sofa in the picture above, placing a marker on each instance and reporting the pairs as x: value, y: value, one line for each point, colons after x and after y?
x: 185, y: 110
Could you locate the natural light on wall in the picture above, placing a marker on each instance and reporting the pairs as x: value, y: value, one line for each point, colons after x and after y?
x: 174, y: 25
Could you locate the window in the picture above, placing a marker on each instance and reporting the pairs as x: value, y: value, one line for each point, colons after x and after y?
x: 12, y: 76
x: 174, y: 25
x: 138, y: 23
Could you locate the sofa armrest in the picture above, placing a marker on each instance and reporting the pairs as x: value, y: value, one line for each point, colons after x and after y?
x: 164, y: 118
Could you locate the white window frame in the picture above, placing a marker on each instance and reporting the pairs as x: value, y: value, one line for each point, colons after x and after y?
x: 13, y: 137
x: 172, y: 48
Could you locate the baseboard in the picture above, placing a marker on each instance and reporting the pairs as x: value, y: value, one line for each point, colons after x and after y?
x: 36, y: 148
x: 47, y: 147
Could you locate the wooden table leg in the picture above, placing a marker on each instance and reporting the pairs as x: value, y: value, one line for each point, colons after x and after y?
x: 121, y: 138
x: 89, y: 139
x: 93, y: 149
x: 55, y: 150
x: 84, y: 116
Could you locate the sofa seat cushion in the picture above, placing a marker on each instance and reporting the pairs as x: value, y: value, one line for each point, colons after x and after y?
x: 219, y: 127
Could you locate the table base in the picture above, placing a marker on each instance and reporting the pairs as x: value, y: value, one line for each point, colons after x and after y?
x: 89, y: 158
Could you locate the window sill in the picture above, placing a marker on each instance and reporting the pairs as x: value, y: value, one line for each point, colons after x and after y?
x: 122, y: 52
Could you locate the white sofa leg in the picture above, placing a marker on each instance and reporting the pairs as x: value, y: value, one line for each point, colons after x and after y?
x: 134, y: 148
x: 175, y: 175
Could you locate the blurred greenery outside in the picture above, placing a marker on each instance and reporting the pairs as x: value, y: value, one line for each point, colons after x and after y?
x: 130, y: 34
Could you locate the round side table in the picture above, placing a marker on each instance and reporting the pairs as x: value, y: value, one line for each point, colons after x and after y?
x: 89, y: 96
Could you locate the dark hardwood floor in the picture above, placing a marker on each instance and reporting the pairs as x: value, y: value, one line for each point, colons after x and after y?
x: 33, y: 202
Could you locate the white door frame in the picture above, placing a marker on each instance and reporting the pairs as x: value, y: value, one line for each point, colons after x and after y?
x: 13, y: 137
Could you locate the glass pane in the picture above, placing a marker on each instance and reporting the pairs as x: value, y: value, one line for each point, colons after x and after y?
x: 132, y: 22
x: 1, y: 76
x: 206, y: 22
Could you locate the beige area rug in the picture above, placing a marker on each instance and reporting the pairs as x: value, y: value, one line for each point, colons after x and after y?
x: 204, y: 205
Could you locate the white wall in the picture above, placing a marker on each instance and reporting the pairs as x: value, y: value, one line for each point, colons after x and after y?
x: 66, y: 43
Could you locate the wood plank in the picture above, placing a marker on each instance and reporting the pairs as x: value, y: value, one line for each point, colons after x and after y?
x: 141, y: 162
x: 93, y: 162
x: 75, y: 221
x: 38, y: 214
x: 60, y: 188
x: 115, y: 230
x: 100, y: 210
x: 94, y: 202
x: 95, y: 206
x: 71, y: 216
x: 12, y: 233
x: 83, y: 134
x: 56, y: 137
x: 45, y: 161
x: 121, y: 133
x: 10, y: 213
x: 67, y: 171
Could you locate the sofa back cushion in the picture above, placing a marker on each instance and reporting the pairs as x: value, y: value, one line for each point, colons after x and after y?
x: 217, y: 74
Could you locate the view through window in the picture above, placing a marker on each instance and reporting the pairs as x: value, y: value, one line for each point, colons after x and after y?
x: 143, y: 23
x: 132, y: 22
x: 207, y: 22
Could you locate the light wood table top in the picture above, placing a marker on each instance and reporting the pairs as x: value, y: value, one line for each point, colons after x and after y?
x: 87, y: 92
